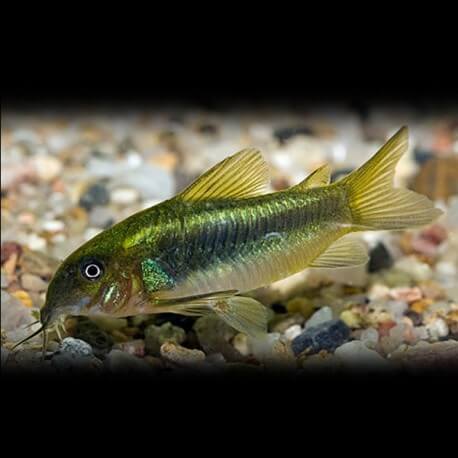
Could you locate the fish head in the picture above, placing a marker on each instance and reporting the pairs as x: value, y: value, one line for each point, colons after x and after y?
x: 96, y: 279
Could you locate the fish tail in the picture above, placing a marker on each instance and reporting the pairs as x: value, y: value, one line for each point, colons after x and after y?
x: 374, y: 203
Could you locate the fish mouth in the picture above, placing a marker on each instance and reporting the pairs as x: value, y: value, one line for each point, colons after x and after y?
x: 51, y: 312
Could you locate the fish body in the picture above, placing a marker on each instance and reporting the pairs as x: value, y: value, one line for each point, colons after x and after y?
x: 239, y: 245
x: 224, y: 235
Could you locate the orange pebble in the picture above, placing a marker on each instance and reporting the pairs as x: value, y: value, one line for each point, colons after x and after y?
x: 24, y: 297
x: 421, y: 305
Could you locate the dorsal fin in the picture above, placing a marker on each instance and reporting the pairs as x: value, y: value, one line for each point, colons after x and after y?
x: 320, y: 177
x: 243, y: 175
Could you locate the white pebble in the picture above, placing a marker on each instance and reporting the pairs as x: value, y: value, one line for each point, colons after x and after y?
x: 53, y: 226
x: 293, y: 331
x: 261, y: 347
x: 124, y: 196
x: 437, y: 329
x: 47, y: 167
x: 134, y: 159
x: 378, y: 291
x: 447, y: 269
x: 320, y: 316
x: 34, y: 242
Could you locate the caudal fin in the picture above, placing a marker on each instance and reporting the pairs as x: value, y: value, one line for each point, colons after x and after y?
x: 373, y: 201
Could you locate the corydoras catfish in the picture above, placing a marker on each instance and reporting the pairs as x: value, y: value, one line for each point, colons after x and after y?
x: 224, y: 235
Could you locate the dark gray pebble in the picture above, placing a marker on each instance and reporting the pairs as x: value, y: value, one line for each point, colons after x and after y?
x: 324, y: 336
x: 421, y: 155
x: 97, y: 194
x: 380, y: 258
x: 283, y: 134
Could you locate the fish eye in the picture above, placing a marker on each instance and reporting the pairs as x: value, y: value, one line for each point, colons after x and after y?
x: 92, y: 270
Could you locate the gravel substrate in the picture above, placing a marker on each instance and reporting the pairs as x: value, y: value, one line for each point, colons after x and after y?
x: 67, y: 177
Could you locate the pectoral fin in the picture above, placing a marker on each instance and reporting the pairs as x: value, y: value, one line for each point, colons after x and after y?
x: 245, y: 314
x: 242, y: 313
x: 342, y: 253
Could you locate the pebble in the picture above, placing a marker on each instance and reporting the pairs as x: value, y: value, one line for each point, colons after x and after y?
x: 35, y: 242
x: 323, y: 315
x: 215, y: 335
x: 418, y: 271
x: 292, y: 332
x: 8, y: 249
x: 13, y: 313
x: 32, y: 282
x: 421, y: 155
x: 397, y: 309
x: 121, y: 362
x: 155, y: 336
x: 416, y: 318
x: 47, y: 167
x: 351, y: 318
x: 385, y: 326
x: 434, y: 357
x: 378, y: 291
x: 420, y: 306
x: 75, y: 347
x: 437, y: 329
x: 421, y: 333
x: 96, y: 194
x: 397, y: 335
x: 283, y: 134
x: 53, y: 226
x: 124, y: 196
x: 101, y: 217
x: 407, y: 294
x: 272, y: 351
x: 379, y: 258
x: 396, y: 278
x: 324, y: 336
x: 370, y: 337
x: 75, y: 355
x: 447, y: 269
x: 355, y: 355
x: 176, y: 354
